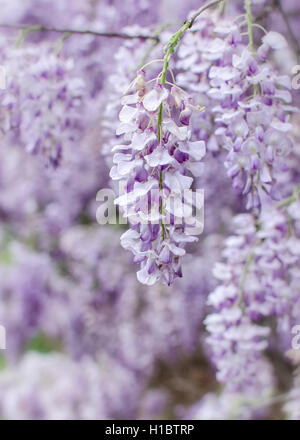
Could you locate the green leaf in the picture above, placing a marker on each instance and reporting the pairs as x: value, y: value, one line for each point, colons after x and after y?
x: 43, y: 344
x: 2, y: 362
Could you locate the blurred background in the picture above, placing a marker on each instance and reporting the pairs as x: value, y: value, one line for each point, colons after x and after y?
x: 84, y: 339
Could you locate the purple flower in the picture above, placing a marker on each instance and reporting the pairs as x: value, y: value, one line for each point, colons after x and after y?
x: 156, y: 163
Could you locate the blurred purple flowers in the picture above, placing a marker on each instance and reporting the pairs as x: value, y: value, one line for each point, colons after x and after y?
x: 204, y: 329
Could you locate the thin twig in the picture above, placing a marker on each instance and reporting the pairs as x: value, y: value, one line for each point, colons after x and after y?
x: 28, y: 28
x: 194, y: 17
x: 41, y: 28
x: 250, y: 33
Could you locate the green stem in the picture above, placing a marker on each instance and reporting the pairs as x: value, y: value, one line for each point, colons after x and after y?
x: 26, y: 29
x: 283, y: 204
x: 250, y: 33
x: 60, y: 42
x: 247, y: 266
x: 222, y: 8
x: 292, y: 199
x: 156, y: 34
x: 244, y: 277
x: 161, y: 209
x: 171, y: 47
x: 250, y: 24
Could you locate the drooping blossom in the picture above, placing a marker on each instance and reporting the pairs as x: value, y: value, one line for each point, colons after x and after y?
x: 249, y: 102
x: 157, y: 161
x: 42, y: 102
x: 258, y: 280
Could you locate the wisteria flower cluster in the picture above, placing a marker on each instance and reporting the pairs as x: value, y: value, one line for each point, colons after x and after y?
x: 249, y: 102
x: 42, y: 104
x: 258, y: 280
x: 157, y: 165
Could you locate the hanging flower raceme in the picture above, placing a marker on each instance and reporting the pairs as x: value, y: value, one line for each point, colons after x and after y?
x: 156, y: 162
x: 258, y: 280
x: 254, y: 121
x: 249, y: 101
x: 42, y: 101
x: 236, y: 341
